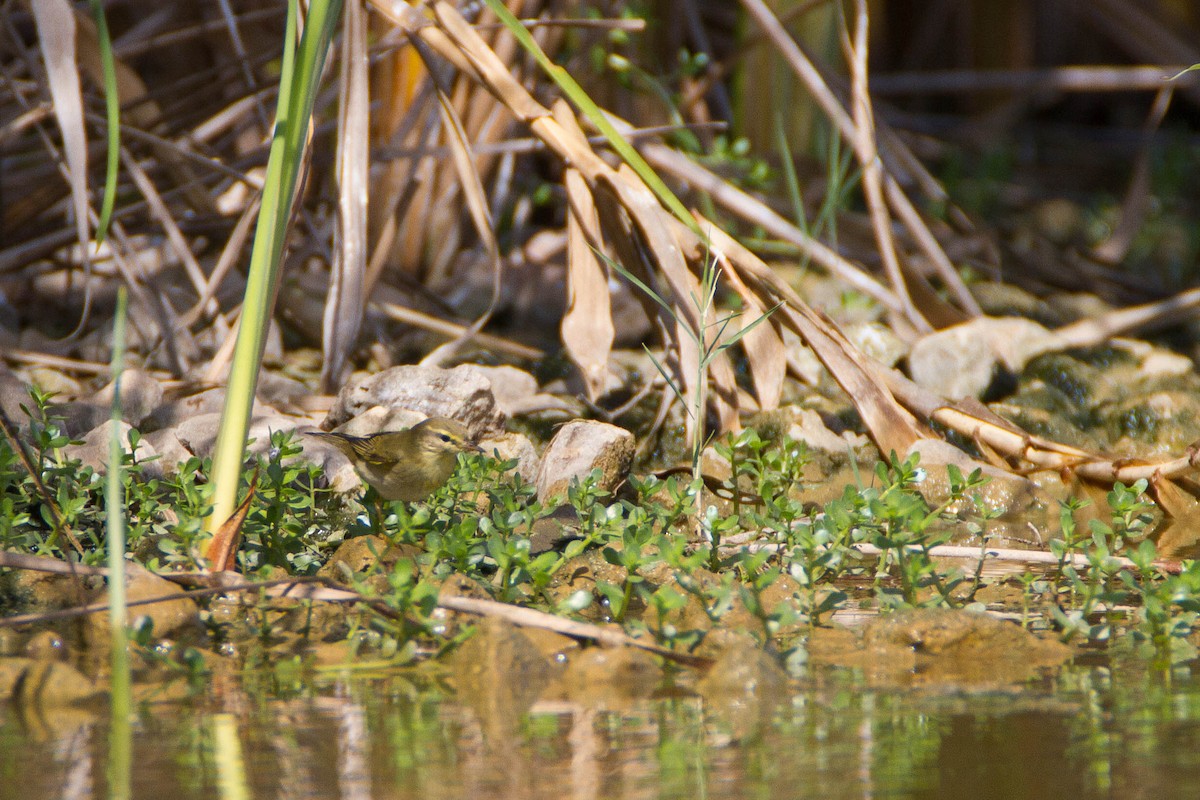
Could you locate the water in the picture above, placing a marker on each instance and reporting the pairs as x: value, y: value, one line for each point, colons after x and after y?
x: 1099, y: 731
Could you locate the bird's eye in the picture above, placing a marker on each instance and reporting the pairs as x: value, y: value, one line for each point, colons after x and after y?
x: 445, y: 437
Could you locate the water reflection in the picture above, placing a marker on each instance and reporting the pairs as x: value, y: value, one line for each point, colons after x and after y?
x: 1088, y: 732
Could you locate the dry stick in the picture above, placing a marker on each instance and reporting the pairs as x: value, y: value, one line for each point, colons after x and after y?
x: 117, y: 234
x: 1089, y: 332
x: 901, y: 164
x: 66, y: 364
x: 130, y: 133
x: 156, y: 305
x: 215, y: 373
x: 27, y: 119
x: 396, y: 200
x: 819, y: 89
x: 1004, y: 437
x: 972, y: 423
x: 478, y: 61
x: 890, y: 425
x: 872, y: 168
x: 1146, y: 37
x: 28, y: 561
x: 96, y: 608
x: 229, y: 118
x: 226, y: 262
x: 21, y: 256
x: 531, y: 618
x: 299, y: 587
x: 1059, y: 79
x: 192, y: 31
x: 449, y: 329
x: 158, y: 210
x: 248, y: 69
x: 849, y: 128
x: 1169, y: 566
x: 524, y: 145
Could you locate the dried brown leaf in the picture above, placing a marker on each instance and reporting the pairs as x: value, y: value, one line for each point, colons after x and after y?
x: 344, y: 302
x: 587, y: 326
x: 891, y: 426
x: 221, y: 553
x: 765, y: 350
x: 56, y: 36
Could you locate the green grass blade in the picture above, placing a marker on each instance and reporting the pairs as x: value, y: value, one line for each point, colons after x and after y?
x: 112, y: 108
x: 120, y: 755
x: 300, y: 73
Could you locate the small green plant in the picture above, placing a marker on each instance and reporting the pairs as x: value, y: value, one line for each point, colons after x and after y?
x: 1094, y: 595
x: 710, y: 339
x: 290, y: 519
x: 894, y: 517
x: 757, y: 577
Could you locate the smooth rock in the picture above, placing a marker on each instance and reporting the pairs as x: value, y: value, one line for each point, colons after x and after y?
x: 54, y: 382
x: 743, y: 672
x: 79, y: 417
x: 938, y: 647
x: 510, y: 386
x: 953, y: 645
x: 170, y: 616
x: 199, y: 434
x: 14, y: 393
x: 517, y: 393
x: 962, y: 360
x: 378, y: 419
x: 1005, y: 491
x: 810, y: 428
x: 744, y: 686
x: 141, y: 394
x: 611, y: 676
x: 12, y: 669
x: 1005, y: 300
x: 499, y: 673
x: 1074, y: 306
x: 93, y: 451
x: 461, y: 393
x: 358, y: 554
x: 171, y: 451
x: 209, y: 401
x: 275, y: 389
x: 514, y: 446
x: 877, y: 341
x: 53, y: 683
x: 580, y: 447
x: 46, y: 646
x: 29, y: 591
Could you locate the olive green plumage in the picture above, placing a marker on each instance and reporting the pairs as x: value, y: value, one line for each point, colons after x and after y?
x: 409, y: 464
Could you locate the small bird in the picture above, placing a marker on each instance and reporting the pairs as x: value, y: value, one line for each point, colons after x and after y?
x: 406, y: 465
